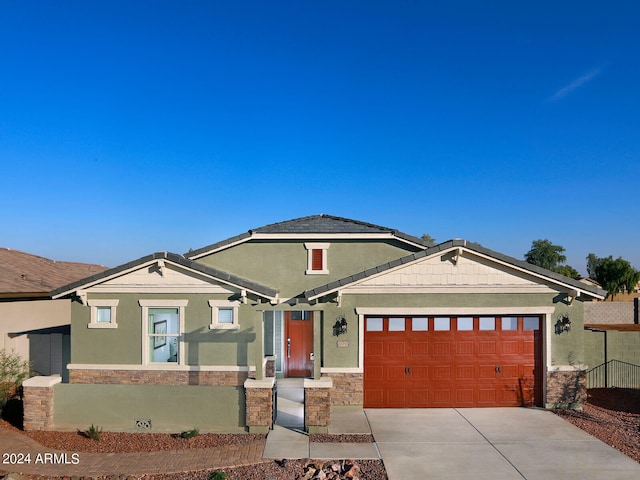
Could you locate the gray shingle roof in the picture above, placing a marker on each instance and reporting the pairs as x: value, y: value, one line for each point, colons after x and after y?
x: 314, y: 224
x: 323, y: 224
x: 553, y: 276
x: 178, y: 260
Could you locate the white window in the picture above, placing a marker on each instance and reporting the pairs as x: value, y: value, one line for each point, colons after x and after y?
x: 224, y: 315
x: 103, y: 313
x: 420, y: 324
x: 317, y: 258
x: 162, y: 329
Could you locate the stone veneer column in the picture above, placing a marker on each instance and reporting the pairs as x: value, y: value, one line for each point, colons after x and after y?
x: 38, y: 402
x: 259, y: 404
x: 566, y: 388
x: 317, y: 404
x: 270, y: 367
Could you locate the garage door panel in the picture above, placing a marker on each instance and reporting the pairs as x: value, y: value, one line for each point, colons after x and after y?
x: 465, y: 347
x: 510, y: 347
x: 419, y: 396
x: 441, y: 348
x: 510, y: 371
x: 374, y: 373
x: 487, y: 347
x: 442, y: 396
x: 395, y: 349
x: 465, y: 372
x: 465, y: 397
x: 419, y: 373
x: 419, y: 348
x: 375, y: 348
x: 396, y: 397
x: 374, y: 397
x: 441, y: 372
x: 486, y: 366
x: 395, y: 372
x: 487, y: 396
x: 487, y: 371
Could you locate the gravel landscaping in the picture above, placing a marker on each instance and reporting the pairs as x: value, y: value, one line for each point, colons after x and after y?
x: 111, y: 442
x: 611, y: 415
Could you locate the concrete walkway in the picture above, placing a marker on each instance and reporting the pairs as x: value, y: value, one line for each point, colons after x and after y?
x: 287, y: 443
x: 492, y: 444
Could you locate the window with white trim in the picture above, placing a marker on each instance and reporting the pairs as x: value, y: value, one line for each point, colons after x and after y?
x: 317, y: 258
x: 162, y: 330
x: 224, y: 315
x: 103, y: 313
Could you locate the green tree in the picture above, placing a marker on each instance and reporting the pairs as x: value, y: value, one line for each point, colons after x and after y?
x: 614, y: 275
x: 545, y: 254
x: 568, y: 271
x: 592, y: 265
x: 428, y: 239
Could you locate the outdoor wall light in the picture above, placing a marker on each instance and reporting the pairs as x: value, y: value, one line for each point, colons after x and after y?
x: 340, y: 327
x: 563, y: 324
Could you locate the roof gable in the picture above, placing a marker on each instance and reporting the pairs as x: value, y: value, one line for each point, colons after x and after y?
x: 457, y: 263
x: 315, y: 226
x: 165, y: 270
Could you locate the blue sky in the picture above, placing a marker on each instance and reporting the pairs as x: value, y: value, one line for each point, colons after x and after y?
x: 133, y: 127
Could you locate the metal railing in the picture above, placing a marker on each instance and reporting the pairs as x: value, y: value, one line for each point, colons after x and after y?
x: 614, y: 374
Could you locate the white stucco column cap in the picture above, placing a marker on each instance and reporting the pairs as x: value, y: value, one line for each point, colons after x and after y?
x: 264, y: 383
x: 42, y: 382
x: 324, y: 382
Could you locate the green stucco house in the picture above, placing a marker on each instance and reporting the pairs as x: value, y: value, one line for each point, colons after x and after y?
x: 369, y: 316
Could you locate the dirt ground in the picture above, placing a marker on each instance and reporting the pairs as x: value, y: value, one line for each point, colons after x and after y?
x: 611, y: 415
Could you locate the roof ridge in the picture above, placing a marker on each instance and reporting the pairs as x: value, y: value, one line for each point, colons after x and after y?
x: 310, y: 224
x: 322, y: 215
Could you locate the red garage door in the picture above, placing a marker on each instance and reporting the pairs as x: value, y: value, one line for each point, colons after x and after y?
x: 483, y: 361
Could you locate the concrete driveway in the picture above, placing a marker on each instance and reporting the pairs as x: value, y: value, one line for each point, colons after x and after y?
x: 492, y: 444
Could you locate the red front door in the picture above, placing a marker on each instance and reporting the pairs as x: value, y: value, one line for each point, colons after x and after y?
x: 298, y: 344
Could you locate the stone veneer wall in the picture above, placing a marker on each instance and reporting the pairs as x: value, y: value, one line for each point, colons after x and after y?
x: 348, y: 388
x: 38, y: 402
x: 566, y: 388
x: 259, y: 404
x: 317, y: 405
x: 158, y: 377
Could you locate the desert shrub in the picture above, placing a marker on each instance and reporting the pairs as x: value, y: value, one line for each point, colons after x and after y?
x: 13, y: 371
x: 218, y: 475
x: 190, y: 433
x: 93, y: 432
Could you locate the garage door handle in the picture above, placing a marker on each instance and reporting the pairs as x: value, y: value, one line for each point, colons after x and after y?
x: 498, y: 369
x: 407, y: 370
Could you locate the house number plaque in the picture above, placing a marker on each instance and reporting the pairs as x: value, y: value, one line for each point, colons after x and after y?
x: 343, y: 344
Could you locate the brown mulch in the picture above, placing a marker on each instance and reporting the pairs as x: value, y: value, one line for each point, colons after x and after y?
x: 146, y: 442
x: 612, y: 416
x: 112, y: 442
x: 273, y: 470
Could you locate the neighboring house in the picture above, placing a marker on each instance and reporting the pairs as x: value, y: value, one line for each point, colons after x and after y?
x: 31, y: 324
x: 590, y: 281
x: 368, y: 315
